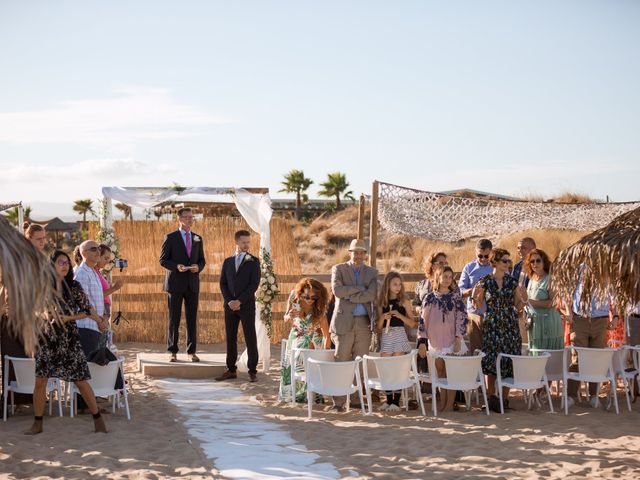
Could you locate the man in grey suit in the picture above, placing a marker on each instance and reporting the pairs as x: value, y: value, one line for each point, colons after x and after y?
x: 354, y: 285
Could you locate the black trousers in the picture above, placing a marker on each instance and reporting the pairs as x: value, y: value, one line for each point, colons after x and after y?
x: 190, y: 300
x: 232, y: 320
x: 89, y: 340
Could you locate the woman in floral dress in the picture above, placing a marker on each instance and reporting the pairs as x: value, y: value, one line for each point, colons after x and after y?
x: 60, y: 354
x: 501, y: 332
x: 306, y: 308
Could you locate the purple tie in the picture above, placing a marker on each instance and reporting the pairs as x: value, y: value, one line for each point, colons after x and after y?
x: 188, y: 239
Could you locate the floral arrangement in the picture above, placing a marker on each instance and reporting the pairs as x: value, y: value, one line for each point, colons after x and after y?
x: 107, y: 235
x: 267, y: 290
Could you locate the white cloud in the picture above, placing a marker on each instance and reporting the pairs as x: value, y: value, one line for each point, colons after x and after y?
x: 134, y: 113
x: 105, y: 169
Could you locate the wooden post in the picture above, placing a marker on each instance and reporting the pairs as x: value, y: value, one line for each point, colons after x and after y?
x: 361, y: 217
x: 373, y: 228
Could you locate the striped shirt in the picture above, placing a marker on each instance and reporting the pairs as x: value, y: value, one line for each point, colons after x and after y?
x: 88, y: 278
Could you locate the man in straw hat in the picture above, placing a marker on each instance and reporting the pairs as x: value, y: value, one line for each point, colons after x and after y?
x: 354, y: 285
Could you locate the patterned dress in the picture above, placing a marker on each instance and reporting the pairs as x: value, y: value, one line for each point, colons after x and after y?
x: 303, y: 334
x: 447, y: 320
x: 60, y: 354
x: 547, y: 331
x: 501, y: 332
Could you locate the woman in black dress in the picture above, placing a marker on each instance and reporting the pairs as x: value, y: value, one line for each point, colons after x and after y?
x: 60, y: 354
x: 501, y: 334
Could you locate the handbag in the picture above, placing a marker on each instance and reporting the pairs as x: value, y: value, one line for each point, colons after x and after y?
x: 529, y: 317
x: 102, y: 356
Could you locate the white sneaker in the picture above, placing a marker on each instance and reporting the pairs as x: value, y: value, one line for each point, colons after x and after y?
x: 595, y: 402
x: 393, y: 408
x: 384, y: 407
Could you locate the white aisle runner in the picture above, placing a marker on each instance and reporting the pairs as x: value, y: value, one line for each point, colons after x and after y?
x: 234, y: 433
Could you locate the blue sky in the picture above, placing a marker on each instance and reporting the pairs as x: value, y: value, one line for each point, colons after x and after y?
x: 506, y: 96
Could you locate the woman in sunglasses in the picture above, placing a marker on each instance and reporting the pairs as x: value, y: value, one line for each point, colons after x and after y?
x: 60, y: 354
x: 502, y: 296
x: 306, y: 308
x: 543, y: 319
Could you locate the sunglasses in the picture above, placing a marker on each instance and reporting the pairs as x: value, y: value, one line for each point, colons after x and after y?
x: 93, y: 249
x: 63, y: 263
x: 535, y: 260
x: 483, y: 256
x: 308, y: 297
x: 505, y: 261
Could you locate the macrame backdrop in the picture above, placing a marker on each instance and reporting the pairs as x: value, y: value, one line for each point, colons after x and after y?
x: 451, y: 218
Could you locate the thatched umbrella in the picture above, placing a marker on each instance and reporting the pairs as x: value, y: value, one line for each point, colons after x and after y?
x: 607, y: 261
x: 26, y: 281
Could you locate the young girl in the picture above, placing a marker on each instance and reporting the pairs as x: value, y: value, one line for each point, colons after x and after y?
x: 443, y: 323
x: 394, y: 313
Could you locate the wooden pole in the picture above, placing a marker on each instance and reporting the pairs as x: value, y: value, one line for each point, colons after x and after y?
x: 373, y: 228
x: 361, y: 217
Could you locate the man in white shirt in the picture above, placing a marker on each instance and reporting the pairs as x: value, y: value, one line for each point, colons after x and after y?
x: 87, y: 276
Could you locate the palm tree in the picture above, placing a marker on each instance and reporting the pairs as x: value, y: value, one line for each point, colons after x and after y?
x: 12, y: 215
x: 83, y: 207
x: 296, y: 182
x: 158, y: 213
x: 126, y: 210
x: 336, y: 186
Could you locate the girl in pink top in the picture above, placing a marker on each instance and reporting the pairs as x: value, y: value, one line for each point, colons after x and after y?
x: 443, y: 323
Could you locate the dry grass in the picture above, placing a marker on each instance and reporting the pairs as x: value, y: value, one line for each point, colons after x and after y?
x: 324, y: 242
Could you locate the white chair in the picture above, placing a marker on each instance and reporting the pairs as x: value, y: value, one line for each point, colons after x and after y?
x: 334, y: 379
x: 393, y: 373
x: 305, y: 354
x: 554, y: 368
x: 463, y: 373
x: 528, y: 375
x: 595, y: 365
x: 627, y: 375
x: 25, y: 382
x: 103, y: 380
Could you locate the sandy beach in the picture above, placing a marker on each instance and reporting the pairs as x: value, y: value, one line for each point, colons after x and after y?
x: 157, y: 443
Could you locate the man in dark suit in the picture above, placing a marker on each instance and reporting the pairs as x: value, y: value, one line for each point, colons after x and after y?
x: 239, y: 281
x: 183, y: 256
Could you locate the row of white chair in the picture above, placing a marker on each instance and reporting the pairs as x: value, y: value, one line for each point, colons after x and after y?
x: 531, y: 372
x: 103, y: 379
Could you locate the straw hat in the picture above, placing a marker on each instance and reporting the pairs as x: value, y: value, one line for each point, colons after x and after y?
x: 358, y: 246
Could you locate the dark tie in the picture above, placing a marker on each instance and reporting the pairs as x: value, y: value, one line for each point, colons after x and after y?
x: 188, y: 243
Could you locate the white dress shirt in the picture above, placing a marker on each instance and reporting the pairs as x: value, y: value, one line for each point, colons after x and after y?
x: 87, y: 277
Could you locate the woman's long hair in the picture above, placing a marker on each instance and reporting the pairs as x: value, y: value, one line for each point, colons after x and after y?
x: 316, y: 287
x: 68, y: 279
x: 383, y: 298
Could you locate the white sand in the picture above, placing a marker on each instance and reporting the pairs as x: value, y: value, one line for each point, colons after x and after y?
x: 162, y: 441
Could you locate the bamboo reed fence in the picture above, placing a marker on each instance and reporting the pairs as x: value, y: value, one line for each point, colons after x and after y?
x: 144, y: 304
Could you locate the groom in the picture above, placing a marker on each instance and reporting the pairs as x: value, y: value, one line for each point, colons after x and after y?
x: 182, y: 256
x: 239, y: 281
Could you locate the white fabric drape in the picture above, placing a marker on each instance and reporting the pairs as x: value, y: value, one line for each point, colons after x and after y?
x: 256, y: 210
x: 254, y: 207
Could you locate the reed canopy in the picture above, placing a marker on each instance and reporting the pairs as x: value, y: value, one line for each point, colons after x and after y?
x: 27, y: 289
x: 606, y: 261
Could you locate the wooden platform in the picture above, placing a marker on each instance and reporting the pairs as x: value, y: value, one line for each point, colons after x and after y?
x: 158, y: 365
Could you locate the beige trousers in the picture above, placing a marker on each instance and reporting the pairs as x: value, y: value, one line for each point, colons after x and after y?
x: 586, y: 332
x: 474, y: 332
x: 350, y: 345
